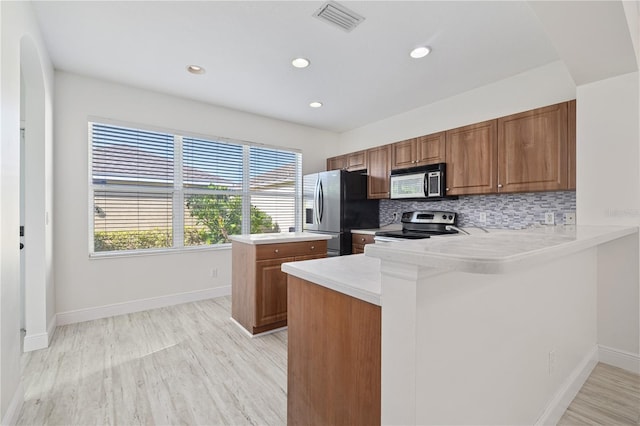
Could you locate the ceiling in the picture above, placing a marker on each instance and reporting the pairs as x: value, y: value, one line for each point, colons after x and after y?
x: 246, y: 47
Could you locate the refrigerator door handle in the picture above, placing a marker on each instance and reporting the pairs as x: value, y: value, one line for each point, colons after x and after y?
x: 316, y: 202
x: 321, y: 198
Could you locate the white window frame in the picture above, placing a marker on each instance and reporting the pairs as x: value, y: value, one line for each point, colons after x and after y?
x: 178, y: 191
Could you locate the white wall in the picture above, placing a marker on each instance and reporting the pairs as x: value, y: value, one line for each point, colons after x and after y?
x: 541, y: 86
x: 84, y: 283
x: 17, y: 25
x: 608, y: 139
x: 607, y: 136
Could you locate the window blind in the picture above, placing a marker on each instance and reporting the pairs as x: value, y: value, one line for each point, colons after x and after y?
x: 161, y: 190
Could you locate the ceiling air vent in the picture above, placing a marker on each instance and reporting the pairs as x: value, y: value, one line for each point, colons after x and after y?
x: 338, y: 15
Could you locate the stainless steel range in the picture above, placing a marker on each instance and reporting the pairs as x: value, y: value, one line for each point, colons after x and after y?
x: 422, y: 224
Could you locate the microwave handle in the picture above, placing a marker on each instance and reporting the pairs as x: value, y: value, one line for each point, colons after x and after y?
x: 426, y: 185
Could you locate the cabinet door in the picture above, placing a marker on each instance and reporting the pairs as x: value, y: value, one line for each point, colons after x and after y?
x: 430, y: 149
x: 271, y: 291
x: 378, y: 172
x: 532, y: 150
x: 472, y: 156
x: 403, y: 154
x: 356, y: 160
x: 571, y: 141
x: 337, y: 163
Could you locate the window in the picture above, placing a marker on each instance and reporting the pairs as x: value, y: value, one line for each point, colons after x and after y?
x: 154, y: 190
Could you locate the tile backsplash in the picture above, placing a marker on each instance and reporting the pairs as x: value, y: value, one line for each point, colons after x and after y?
x: 505, y: 211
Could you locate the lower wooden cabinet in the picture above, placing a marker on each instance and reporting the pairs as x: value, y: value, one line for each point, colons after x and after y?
x: 358, y: 241
x: 259, y: 287
x: 334, y: 358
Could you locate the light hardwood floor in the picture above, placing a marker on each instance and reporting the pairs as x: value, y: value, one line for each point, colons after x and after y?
x: 189, y: 364
x: 185, y: 364
x: 610, y: 396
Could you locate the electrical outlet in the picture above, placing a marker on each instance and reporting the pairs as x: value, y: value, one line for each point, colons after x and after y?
x: 396, y: 216
x: 483, y: 217
x: 549, y: 218
x: 570, y: 218
x: 552, y: 361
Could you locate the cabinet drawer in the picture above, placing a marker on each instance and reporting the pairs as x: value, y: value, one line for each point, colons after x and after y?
x: 275, y: 251
x: 362, y: 239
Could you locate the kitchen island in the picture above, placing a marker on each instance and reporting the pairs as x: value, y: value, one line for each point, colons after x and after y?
x: 498, y: 328
x: 259, y: 287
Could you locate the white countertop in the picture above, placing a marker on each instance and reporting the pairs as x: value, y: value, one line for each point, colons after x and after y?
x: 356, y: 275
x: 498, y: 251
x: 281, y: 237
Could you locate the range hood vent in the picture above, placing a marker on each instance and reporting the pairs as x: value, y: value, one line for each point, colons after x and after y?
x: 338, y: 15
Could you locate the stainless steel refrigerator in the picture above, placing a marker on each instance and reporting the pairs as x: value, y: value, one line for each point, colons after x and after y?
x: 335, y: 202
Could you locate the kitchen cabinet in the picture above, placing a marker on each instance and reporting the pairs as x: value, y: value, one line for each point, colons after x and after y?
x: 337, y: 163
x: 351, y: 161
x: 334, y: 358
x: 378, y: 171
x: 259, y: 287
x: 530, y: 151
x: 533, y: 150
x: 358, y: 241
x: 472, y: 157
x: 571, y: 140
x: 428, y: 149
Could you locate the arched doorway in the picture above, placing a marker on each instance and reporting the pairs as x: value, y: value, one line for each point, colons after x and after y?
x: 35, y: 192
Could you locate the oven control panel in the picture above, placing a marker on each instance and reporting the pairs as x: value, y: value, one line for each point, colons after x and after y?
x: 429, y: 216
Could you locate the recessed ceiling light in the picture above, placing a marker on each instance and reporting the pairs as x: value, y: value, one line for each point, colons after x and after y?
x: 195, y: 69
x: 420, y: 52
x: 300, y: 62
x: 315, y: 104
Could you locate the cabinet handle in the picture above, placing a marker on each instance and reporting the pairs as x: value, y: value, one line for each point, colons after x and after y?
x: 362, y: 239
x: 447, y: 189
x: 276, y: 251
x: 313, y: 247
x: 499, y: 185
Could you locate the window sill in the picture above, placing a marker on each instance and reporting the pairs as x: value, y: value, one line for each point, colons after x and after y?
x: 157, y: 252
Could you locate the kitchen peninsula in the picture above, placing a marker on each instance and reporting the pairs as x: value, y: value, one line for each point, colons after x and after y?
x: 498, y: 328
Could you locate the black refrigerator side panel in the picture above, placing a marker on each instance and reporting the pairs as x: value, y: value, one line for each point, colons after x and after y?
x: 359, y: 212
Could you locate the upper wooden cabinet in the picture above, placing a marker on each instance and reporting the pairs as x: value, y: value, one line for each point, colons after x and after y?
x: 571, y: 140
x: 352, y: 161
x: 337, y: 163
x: 379, y: 161
x: 525, y: 152
x: 472, y: 156
x: 429, y: 149
x: 532, y: 150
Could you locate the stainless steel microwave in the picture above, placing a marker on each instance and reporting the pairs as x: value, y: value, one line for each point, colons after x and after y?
x: 418, y: 182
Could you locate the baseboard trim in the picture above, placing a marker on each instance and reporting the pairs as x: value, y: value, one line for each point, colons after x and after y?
x: 34, y: 342
x: 569, y: 389
x: 618, y: 358
x: 81, y: 315
x: 13, y: 410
